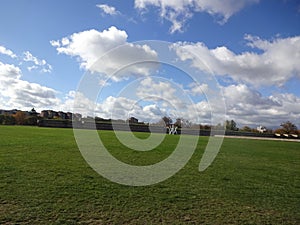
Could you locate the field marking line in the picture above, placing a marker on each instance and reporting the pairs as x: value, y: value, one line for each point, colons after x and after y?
x: 260, y: 138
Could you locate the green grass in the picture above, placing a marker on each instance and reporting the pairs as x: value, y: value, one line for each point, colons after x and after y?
x: 45, y: 180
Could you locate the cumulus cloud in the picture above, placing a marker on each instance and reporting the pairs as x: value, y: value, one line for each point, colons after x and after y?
x: 196, y: 89
x: 110, y: 108
x: 249, y: 107
x: 167, y: 98
x: 109, y: 10
x: 84, y: 105
x: 38, y: 63
x: 278, y: 62
x: 179, y: 11
x: 88, y: 46
x: 120, y: 108
x: 236, y: 94
x: 7, y: 52
x: 161, y: 91
x: 28, y: 58
x: 18, y: 93
x: 244, y: 105
x: 9, y: 72
x: 149, y: 100
x: 154, y: 112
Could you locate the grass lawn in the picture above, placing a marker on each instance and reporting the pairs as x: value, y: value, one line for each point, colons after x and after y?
x: 45, y: 180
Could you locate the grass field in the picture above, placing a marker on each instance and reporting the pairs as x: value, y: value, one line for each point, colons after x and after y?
x: 45, y: 180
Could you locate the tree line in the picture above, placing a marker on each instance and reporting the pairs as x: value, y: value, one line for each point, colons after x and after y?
x: 286, y: 127
x: 21, y: 118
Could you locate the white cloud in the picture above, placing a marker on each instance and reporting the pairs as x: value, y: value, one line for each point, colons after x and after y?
x: 28, y: 57
x: 55, y: 43
x: 161, y: 91
x: 109, y: 108
x: 8, y: 72
x: 83, y: 105
x: 119, y: 108
x: 196, y: 89
x: 154, y: 112
x: 17, y: 93
x: 278, y: 62
x: 109, y: 10
x: 236, y: 94
x: 38, y: 63
x: 8, y: 52
x: 179, y: 11
x: 244, y: 105
x: 149, y: 101
x: 30, y: 68
x: 90, y: 45
x: 249, y: 107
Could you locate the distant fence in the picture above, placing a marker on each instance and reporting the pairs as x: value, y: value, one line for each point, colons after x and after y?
x: 140, y: 128
x: 114, y: 126
x: 55, y: 123
x: 248, y: 134
x: 98, y: 125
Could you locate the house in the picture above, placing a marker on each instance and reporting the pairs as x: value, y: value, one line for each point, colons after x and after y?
x: 33, y: 113
x: 261, y: 129
x: 133, y: 120
x: 8, y: 112
x: 50, y: 114
x: 62, y: 115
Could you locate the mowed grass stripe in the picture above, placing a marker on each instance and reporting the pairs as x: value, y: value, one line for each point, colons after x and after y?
x: 45, y: 180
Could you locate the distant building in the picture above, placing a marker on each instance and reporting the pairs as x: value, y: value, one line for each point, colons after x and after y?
x: 8, y: 112
x: 77, y: 116
x: 33, y: 113
x: 69, y: 115
x: 133, y: 120
x: 62, y: 115
x: 261, y: 129
x: 50, y: 114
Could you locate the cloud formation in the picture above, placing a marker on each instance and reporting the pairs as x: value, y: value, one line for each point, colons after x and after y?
x: 249, y: 107
x: 7, y: 52
x: 179, y: 11
x: 27, y: 57
x: 37, y: 63
x: 88, y: 46
x: 18, y: 93
x: 276, y: 64
x: 158, y: 90
x: 269, y: 62
x: 246, y: 106
x: 109, y: 10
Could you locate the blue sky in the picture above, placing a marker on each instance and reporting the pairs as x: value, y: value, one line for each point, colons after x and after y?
x: 251, y: 47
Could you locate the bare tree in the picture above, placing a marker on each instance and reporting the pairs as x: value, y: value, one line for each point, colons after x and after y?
x: 167, y: 121
x: 289, y: 128
x: 20, y: 117
x: 178, y: 122
x: 231, y: 125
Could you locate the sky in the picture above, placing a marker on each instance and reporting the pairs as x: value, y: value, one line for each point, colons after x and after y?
x: 201, y: 60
